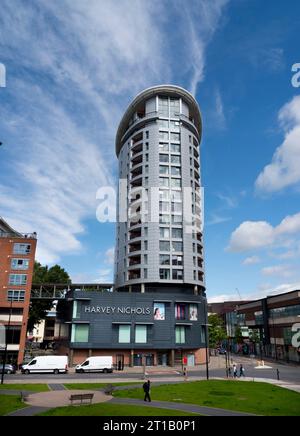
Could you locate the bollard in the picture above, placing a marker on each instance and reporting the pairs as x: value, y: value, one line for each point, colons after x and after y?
x: 278, y: 378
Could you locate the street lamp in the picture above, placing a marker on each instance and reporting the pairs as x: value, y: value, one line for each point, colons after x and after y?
x: 6, y: 339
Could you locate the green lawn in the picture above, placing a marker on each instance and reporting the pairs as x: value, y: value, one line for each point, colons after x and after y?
x: 93, y: 386
x: 9, y: 403
x: 23, y: 387
x: 252, y: 397
x: 104, y: 409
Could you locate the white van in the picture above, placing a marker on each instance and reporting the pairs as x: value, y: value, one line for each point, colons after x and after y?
x: 55, y: 364
x: 96, y: 364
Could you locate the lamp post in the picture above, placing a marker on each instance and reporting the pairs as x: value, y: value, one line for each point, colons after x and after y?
x: 6, y: 338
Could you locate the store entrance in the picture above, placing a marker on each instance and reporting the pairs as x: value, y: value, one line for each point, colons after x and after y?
x: 163, y: 358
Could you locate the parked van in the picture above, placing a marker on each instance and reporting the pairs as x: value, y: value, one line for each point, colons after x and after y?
x: 40, y: 364
x: 96, y: 364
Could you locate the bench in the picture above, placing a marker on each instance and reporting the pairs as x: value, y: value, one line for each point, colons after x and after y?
x: 81, y: 398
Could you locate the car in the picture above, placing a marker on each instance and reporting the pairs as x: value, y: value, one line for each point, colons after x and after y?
x: 222, y: 351
x: 8, y: 369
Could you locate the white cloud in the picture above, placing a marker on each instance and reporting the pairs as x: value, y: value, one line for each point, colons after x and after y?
x: 217, y: 219
x: 110, y: 256
x: 253, y: 260
x: 253, y: 235
x: 278, y: 271
x: 284, y: 171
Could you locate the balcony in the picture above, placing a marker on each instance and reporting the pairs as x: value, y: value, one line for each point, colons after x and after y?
x: 136, y: 170
x: 137, y: 158
x: 134, y: 274
x: 134, y: 234
x: 133, y: 247
x: 137, y: 182
x: 136, y: 149
x: 134, y: 261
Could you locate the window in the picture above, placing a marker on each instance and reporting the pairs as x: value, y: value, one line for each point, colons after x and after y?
x: 164, y: 136
x: 145, y: 259
x: 163, y: 146
x: 163, y: 106
x: 180, y: 334
x: 80, y: 333
x: 177, y: 207
x: 145, y: 273
x: 174, y: 125
x: 175, y: 159
x: 180, y: 311
x: 164, y: 274
x: 163, y: 123
x: 176, y: 183
x: 164, y: 219
x: 13, y: 335
x: 146, y: 232
x: 177, y: 260
x: 176, y: 171
x: 176, y: 219
x: 13, y: 295
x: 164, y: 181
x: 164, y: 158
x: 22, y: 248
x: 20, y: 264
x: 164, y: 259
x: 177, y: 246
x: 174, y: 107
x: 145, y: 245
x: 124, y: 334
x: 174, y: 136
x: 177, y: 274
x: 164, y: 206
x: 176, y: 195
x: 147, y: 134
x: 76, y: 309
x: 140, y: 334
x: 164, y: 232
x: 177, y: 233
x: 164, y: 245
x: 164, y: 195
x: 17, y: 279
x: 163, y: 169
x: 175, y: 148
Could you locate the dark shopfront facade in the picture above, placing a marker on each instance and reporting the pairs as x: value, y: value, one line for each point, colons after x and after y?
x: 137, y: 328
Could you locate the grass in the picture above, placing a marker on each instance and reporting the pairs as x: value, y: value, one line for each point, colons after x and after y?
x: 94, y: 386
x: 23, y: 387
x: 251, y: 397
x: 104, y: 409
x: 9, y: 403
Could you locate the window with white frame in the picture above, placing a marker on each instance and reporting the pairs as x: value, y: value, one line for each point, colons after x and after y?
x: 22, y: 264
x: 17, y: 279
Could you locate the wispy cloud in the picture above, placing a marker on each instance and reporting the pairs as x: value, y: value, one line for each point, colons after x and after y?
x: 253, y: 260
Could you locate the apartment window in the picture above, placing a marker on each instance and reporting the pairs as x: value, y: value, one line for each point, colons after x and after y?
x: 174, y: 136
x: 180, y: 311
x: 164, y: 245
x: 164, y: 206
x: 164, y: 158
x: 177, y: 274
x: 174, y: 107
x: 164, y: 182
x: 176, y: 207
x: 163, y: 146
x: 124, y: 334
x: 13, y: 295
x: 145, y: 259
x: 164, y: 136
x: 164, y: 219
x: 147, y: 134
x: 176, y: 183
x: 13, y: 335
x: 174, y: 125
x: 175, y: 159
x: 146, y: 232
x: 177, y: 246
x: 176, y: 195
x: 164, y: 195
x: 145, y: 273
x: 177, y: 233
x: 147, y: 146
x: 22, y: 264
x: 164, y: 274
x: 177, y: 260
x: 163, y: 169
x: 145, y: 245
x: 140, y: 334
x: 146, y: 169
x: 164, y: 259
x: 22, y: 248
x: 190, y: 139
x: 176, y: 219
x: 163, y: 106
x: 80, y: 333
x: 180, y: 334
x: 164, y: 232
x: 17, y: 279
x: 176, y: 171
x: 147, y: 157
x: 175, y: 148
x: 163, y: 123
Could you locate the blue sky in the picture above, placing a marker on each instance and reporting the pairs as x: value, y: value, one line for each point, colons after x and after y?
x: 73, y: 67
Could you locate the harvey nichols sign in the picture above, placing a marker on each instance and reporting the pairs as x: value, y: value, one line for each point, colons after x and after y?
x: 125, y: 310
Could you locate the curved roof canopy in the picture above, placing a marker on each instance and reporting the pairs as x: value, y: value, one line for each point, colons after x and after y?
x: 163, y: 90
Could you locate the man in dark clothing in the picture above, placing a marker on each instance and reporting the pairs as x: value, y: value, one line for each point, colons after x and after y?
x: 146, y: 387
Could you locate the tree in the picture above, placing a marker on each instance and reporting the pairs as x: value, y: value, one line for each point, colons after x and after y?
x: 41, y: 275
x: 239, y: 335
x: 216, y: 330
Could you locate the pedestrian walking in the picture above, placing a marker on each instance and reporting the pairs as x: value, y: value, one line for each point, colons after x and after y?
x: 229, y: 371
x: 242, y: 371
x: 146, y: 387
x: 234, y: 371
